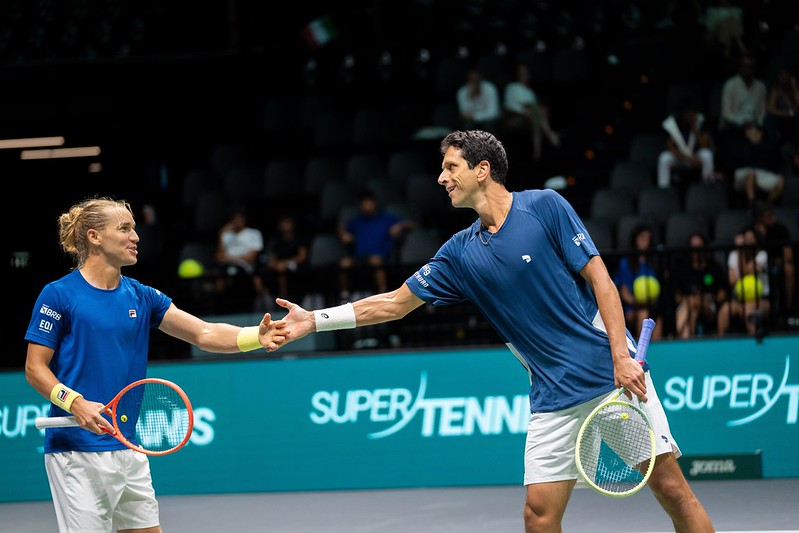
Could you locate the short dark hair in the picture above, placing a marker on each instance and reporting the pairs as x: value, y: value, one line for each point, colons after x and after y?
x: 476, y: 146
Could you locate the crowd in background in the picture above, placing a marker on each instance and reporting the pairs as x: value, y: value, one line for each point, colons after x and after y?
x: 568, y: 87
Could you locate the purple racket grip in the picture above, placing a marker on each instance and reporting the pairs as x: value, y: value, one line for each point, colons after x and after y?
x: 643, y: 341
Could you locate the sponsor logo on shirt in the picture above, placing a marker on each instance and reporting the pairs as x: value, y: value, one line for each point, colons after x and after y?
x: 46, y: 311
x: 526, y: 258
x: 577, y: 239
x: 132, y: 313
x: 425, y: 272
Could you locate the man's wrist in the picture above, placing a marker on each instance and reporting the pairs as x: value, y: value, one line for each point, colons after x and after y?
x: 63, y: 397
x: 247, y: 340
x: 333, y: 318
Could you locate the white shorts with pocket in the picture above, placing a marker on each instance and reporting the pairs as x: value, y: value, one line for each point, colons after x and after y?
x: 552, y: 437
x: 100, y: 492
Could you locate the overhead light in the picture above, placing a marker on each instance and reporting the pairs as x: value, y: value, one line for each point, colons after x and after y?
x: 31, y: 142
x: 58, y: 153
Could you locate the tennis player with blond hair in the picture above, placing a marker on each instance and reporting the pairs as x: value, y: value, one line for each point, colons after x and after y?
x: 88, y: 338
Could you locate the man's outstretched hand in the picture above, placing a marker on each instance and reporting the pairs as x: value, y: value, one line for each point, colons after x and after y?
x: 299, y: 322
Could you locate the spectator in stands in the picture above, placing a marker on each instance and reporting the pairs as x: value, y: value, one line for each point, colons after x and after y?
x: 286, y: 257
x: 755, y: 163
x: 743, y: 97
x: 747, y: 275
x: 478, y: 102
x: 776, y: 240
x: 237, y: 250
x: 639, y: 278
x: 782, y: 109
x: 743, y: 104
x: 700, y: 288
x: 370, y: 236
x: 688, y: 145
x: 724, y: 28
x: 524, y: 114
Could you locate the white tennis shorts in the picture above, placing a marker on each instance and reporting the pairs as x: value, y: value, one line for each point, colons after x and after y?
x: 552, y: 437
x: 99, y: 492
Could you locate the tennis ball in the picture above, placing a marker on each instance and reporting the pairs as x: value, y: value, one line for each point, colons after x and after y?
x: 646, y: 289
x: 190, y: 268
x: 749, y: 288
x: 625, y: 416
x: 124, y: 418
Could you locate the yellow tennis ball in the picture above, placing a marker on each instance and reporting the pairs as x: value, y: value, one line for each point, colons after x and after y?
x: 190, y: 268
x: 749, y: 288
x: 124, y: 418
x: 625, y: 416
x: 646, y: 289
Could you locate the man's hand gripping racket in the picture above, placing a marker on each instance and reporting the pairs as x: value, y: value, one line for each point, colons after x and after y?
x: 615, y: 451
x: 152, y: 416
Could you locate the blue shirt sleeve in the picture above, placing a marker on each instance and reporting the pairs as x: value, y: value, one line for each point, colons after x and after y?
x: 435, y: 282
x: 570, y: 233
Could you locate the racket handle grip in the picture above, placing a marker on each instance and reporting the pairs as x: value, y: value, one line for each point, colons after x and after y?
x: 643, y: 341
x: 55, y: 422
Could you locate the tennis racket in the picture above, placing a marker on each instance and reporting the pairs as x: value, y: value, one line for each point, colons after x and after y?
x: 152, y: 416
x: 615, y: 451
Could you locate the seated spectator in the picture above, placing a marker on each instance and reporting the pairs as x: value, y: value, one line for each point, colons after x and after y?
x: 478, y: 102
x: 687, y: 146
x: 639, y: 279
x: 700, y: 288
x: 754, y: 175
x: 237, y: 250
x: 286, y: 257
x: 524, y: 114
x: 782, y: 109
x: 776, y: 240
x: 370, y: 237
x: 743, y: 104
x: 747, y: 276
x: 724, y: 28
x: 743, y: 97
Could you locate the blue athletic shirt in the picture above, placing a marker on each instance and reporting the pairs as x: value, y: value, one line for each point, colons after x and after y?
x: 372, y: 234
x: 101, y: 339
x: 526, y: 282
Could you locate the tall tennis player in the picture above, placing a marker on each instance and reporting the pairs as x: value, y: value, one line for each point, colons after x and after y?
x: 530, y: 266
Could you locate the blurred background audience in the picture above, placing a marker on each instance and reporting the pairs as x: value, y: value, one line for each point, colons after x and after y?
x: 191, y: 119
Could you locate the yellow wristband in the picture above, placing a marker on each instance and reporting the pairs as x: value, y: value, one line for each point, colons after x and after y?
x: 63, y: 396
x: 247, y: 340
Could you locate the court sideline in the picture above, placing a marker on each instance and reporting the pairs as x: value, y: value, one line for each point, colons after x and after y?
x: 735, y: 506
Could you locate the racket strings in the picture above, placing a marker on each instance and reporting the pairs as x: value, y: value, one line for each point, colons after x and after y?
x: 154, y: 416
x: 614, y: 444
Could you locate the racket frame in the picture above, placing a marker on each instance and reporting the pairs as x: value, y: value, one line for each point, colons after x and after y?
x: 110, y: 410
x: 614, y: 400
x: 647, y: 327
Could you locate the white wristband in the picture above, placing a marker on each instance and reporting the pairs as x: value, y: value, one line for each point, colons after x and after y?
x: 332, y: 318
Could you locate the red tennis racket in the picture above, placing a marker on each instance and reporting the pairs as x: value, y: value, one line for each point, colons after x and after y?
x: 152, y: 416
